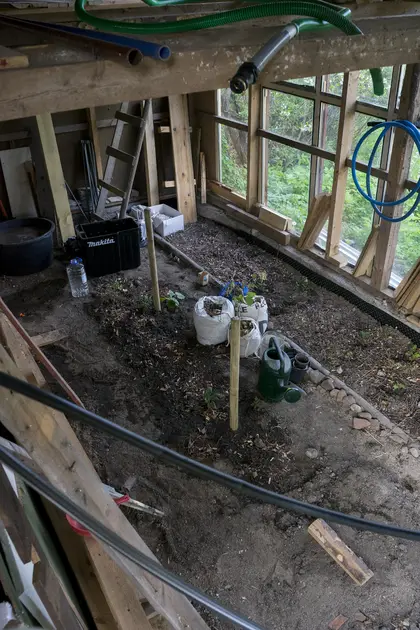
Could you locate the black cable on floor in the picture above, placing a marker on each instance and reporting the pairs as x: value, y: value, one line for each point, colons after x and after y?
x: 196, y: 468
x: 47, y: 490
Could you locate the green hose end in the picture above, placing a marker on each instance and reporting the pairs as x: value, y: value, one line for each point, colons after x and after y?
x: 378, y: 81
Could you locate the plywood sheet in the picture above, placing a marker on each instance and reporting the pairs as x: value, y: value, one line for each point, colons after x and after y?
x: 17, y: 183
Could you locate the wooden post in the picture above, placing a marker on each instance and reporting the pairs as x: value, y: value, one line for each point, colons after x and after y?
x: 94, y: 136
x: 181, y: 145
x: 235, y: 347
x: 152, y: 259
x: 254, y: 113
x: 345, y: 135
x: 152, y: 184
x: 203, y: 179
x: 54, y: 174
x: 398, y: 172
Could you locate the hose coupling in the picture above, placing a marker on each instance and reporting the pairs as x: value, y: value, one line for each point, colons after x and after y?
x: 247, y: 75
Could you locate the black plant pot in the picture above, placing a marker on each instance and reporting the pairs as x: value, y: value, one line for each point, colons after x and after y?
x: 300, y: 365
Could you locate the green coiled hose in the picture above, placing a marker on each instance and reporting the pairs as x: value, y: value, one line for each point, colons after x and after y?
x: 323, y: 15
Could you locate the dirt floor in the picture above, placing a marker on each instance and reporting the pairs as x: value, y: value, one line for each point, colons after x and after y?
x: 148, y: 373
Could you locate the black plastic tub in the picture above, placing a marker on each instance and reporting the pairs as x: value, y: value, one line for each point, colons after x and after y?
x: 26, y: 246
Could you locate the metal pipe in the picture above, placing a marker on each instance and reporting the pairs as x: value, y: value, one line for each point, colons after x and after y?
x: 129, y: 55
x: 249, y: 71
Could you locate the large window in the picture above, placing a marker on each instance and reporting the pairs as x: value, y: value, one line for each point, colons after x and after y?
x: 298, y: 135
x: 232, y: 126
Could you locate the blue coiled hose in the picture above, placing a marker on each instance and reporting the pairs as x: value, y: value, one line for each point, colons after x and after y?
x: 412, y: 130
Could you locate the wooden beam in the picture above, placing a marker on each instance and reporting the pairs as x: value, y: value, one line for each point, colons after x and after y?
x: 344, y: 139
x: 12, y: 59
x: 365, y: 261
x: 53, y: 445
x: 150, y: 161
x: 398, y: 173
x: 253, y: 160
x: 76, y: 86
x: 121, y: 596
x: 340, y: 552
x: 181, y: 145
x: 54, y: 175
x: 317, y: 216
x: 20, y: 352
x: 227, y: 193
x: 94, y: 136
x: 269, y: 216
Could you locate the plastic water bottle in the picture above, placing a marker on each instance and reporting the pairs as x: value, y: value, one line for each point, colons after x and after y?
x: 77, y: 278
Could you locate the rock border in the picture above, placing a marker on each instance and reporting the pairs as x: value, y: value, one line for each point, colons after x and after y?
x: 364, y: 415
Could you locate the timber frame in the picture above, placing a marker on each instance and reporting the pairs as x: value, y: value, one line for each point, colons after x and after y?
x: 60, y: 78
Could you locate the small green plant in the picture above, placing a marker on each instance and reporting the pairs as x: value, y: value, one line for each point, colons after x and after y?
x: 210, y: 397
x: 258, y: 281
x: 398, y: 388
x: 413, y: 354
x: 173, y: 300
x: 145, y: 303
x: 364, y: 334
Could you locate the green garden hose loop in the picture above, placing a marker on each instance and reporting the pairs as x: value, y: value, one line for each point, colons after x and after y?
x: 322, y: 12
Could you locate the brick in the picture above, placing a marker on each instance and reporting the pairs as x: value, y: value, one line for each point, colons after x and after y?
x: 360, y: 423
x: 315, y: 376
x: 334, y: 393
x: 337, y: 623
x: 328, y: 384
x: 365, y: 414
x: 348, y: 401
x: 341, y: 395
x: 356, y: 408
x: 375, y: 425
x: 402, y: 434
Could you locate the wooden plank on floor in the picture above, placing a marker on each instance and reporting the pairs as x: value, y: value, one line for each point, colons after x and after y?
x: 48, y: 338
x: 20, y: 352
x: 52, y: 443
x: 181, y: 145
x: 340, y: 552
x: 52, y: 596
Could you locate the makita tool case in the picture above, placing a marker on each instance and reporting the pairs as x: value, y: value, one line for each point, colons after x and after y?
x: 109, y: 246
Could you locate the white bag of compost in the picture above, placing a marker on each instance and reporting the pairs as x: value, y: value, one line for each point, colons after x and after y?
x: 212, y: 315
x: 250, y: 337
x: 258, y: 311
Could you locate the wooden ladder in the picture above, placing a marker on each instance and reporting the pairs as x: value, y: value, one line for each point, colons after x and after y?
x: 115, y: 153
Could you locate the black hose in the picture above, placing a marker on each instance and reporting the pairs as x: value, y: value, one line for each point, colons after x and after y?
x: 47, y: 490
x: 196, y: 468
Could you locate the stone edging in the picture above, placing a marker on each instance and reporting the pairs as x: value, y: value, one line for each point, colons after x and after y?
x: 365, y: 415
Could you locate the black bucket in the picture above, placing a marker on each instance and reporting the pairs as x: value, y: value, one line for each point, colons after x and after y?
x: 26, y: 246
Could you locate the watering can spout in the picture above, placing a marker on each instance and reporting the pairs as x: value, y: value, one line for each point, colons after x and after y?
x: 274, y: 379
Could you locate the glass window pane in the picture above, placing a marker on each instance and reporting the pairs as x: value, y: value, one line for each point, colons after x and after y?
x: 330, y: 117
x: 360, y: 127
x: 333, y: 83
x: 288, y: 173
x: 233, y: 158
x: 408, y: 243
x: 326, y: 175
x: 414, y: 172
x: 365, y: 88
x: 234, y: 106
x: 357, y: 216
x: 290, y: 116
x: 305, y: 81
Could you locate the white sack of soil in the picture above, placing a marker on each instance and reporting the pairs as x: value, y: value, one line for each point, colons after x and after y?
x: 212, y: 315
x: 258, y: 311
x: 250, y: 337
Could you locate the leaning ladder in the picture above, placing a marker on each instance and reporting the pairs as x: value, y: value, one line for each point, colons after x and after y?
x: 114, y: 153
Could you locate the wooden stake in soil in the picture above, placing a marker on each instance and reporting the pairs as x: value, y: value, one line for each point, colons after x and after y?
x: 235, y: 343
x: 152, y: 259
x: 340, y: 552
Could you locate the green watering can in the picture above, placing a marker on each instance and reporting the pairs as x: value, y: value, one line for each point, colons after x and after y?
x: 273, y: 381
